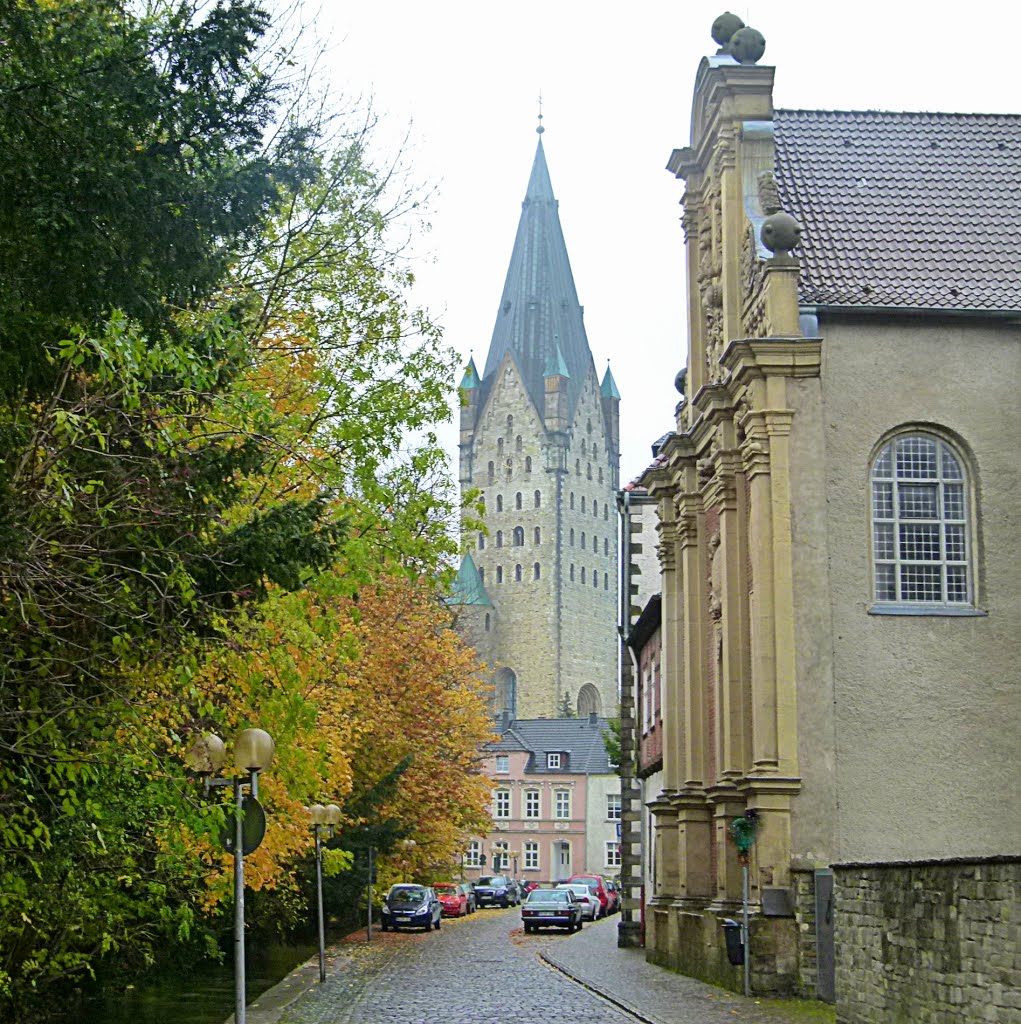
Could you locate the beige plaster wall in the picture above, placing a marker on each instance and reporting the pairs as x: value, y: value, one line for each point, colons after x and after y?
x: 812, y: 820
x: 599, y: 830
x: 928, y: 708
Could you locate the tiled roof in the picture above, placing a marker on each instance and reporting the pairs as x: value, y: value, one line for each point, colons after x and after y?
x: 912, y: 210
x: 467, y: 587
x: 580, y: 738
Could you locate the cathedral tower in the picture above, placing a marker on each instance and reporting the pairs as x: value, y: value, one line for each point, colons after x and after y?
x: 540, y: 438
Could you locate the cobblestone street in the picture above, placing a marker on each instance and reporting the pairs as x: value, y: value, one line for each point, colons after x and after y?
x: 483, y: 970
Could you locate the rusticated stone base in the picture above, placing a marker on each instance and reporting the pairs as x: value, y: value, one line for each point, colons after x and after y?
x: 693, y: 943
x: 929, y: 942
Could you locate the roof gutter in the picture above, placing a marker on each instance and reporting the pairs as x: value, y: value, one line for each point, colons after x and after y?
x: 955, y: 312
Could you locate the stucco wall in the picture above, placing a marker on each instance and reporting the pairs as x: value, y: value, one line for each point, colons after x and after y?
x: 928, y: 708
x: 599, y: 830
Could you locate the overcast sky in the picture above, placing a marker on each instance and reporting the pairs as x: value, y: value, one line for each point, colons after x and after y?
x: 616, y: 82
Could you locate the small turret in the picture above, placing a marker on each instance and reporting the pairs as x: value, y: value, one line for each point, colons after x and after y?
x: 469, y: 391
x: 609, y: 396
x: 556, y: 379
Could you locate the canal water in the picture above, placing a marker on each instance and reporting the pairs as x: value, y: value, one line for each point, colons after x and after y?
x: 204, y: 996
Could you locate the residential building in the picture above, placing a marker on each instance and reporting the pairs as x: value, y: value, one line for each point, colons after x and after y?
x: 841, y: 557
x: 556, y: 801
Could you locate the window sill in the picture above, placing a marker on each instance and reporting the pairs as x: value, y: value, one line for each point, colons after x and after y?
x: 958, y: 611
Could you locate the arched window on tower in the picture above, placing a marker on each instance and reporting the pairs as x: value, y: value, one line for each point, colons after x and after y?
x: 588, y: 470
x: 595, y: 451
x: 499, y: 538
x: 595, y: 544
x: 572, y: 499
x: 583, y: 538
x: 499, y: 446
x: 606, y: 511
x: 583, y: 504
x: 589, y: 702
x: 595, y: 508
x: 517, y: 574
x: 482, y: 542
x: 510, y: 424
x: 606, y: 545
x: 499, y: 574
x: 595, y: 578
x: 482, y: 574
x: 517, y: 443
x: 492, y: 472
x: 535, y: 571
x: 528, y: 463
x: 600, y: 476
x: 499, y: 503
x: 577, y: 466
x: 519, y: 536
x: 583, y: 574
x: 606, y: 581
x: 538, y: 535
x: 487, y: 622
x: 505, y: 695
x: 572, y: 572
x: 571, y: 536
x: 517, y: 500
x: 538, y: 498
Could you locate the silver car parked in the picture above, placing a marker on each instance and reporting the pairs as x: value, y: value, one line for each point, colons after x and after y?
x: 590, y: 905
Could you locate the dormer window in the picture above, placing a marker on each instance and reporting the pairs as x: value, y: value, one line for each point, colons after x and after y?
x: 553, y: 760
x: 502, y: 763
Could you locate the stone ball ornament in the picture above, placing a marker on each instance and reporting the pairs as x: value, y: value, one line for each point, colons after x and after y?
x: 747, y: 45
x: 780, y: 233
x: 724, y: 28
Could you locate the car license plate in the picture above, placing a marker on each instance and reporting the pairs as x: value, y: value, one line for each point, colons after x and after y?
x: 547, y: 915
x: 404, y: 920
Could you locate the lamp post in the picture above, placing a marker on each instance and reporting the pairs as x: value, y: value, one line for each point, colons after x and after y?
x: 407, y: 845
x: 253, y: 753
x: 324, y: 822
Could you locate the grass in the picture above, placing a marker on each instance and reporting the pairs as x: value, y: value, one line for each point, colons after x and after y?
x: 801, y: 1011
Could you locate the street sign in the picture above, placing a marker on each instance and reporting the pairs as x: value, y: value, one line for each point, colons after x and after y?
x: 253, y: 827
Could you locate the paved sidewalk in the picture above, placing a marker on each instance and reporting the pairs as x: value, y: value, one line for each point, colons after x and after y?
x: 654, y: 994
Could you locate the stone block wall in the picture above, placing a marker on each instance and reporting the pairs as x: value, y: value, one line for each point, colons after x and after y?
x: 803, y: 883
x: 929, y: 942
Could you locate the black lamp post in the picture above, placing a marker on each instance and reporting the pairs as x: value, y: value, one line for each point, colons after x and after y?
x: 253, y: 753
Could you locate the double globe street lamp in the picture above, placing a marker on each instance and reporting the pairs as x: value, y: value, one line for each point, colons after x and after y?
x: 325, y: 820
x: 253, y: 753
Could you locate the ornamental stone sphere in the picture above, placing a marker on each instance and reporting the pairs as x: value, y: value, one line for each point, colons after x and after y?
x: 681, y: 380
x: 724, y: 27
x: 780, y: 232
x: 747, y: 45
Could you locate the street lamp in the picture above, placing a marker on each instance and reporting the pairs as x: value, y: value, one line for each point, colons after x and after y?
x: 324, y: 823
x: 253, y: 753
x: 407, y: 845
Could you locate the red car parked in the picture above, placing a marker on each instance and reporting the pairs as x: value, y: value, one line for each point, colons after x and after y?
x: 453, y: 900
x: 598, y: 885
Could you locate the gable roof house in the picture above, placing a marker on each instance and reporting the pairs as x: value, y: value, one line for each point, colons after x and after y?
x: 554, y: 799
x: 840, y: 554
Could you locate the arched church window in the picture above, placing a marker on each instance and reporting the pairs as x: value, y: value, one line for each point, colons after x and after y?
x: 589, y: 702
x: 606, y: 581
x: 582, y: 538
x: 538, y: 498
x: 583, y: 574
x: 499, y: 503
x: 517, y: 500
x: 538, y: 535
x: 588, y: 426
x: 588, y: 470
x: 572, y: 536
x: 517, y: 574
x: 595, y: 545
x: 606, y: 545
x: 572, y: 499
x: 499, y: 574
x: 499, y: 446
x: 510, y: 468
x: 482, y: 575
x: 572, y: 572
x: 600, y: 476
x: 519, y: 536
x: 606, y: 511
x: 595, y: 507
x: 492, y: 472
x: 499, y: 538
x: 577, y: 466
x: 517, y: 443
x: 595, y: 578
x: 528, y: 463
x: 482, y: 542
x: 487, y: 622
x: 595, y: 451
x: 535, y: 571
x: 583, y: 504
x: 510, y: 424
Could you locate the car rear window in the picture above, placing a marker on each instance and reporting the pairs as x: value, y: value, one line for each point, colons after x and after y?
x: 547, y: 896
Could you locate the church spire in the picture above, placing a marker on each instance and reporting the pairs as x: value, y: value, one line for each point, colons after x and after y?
x: 539, y: 304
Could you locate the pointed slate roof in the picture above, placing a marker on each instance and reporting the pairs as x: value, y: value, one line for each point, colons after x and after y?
x: 580, y: 738
x: 539, y: 305
x: 556, y: 367
x: 608, y: 389
x: 470, y: 380
x: 468, y: 587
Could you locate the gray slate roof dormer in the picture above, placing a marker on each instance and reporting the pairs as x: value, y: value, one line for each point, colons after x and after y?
x: 580, y: 739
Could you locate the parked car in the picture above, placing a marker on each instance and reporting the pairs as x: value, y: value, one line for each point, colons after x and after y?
x: 533, y: 885
x: 591, y: 908
x: 497, y: 890
x: 411, y: 906
x: 452, y: 899
x: 598, y: 885
x: 555, y: 908
x: 469, y: 894
x: 613, y: 891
